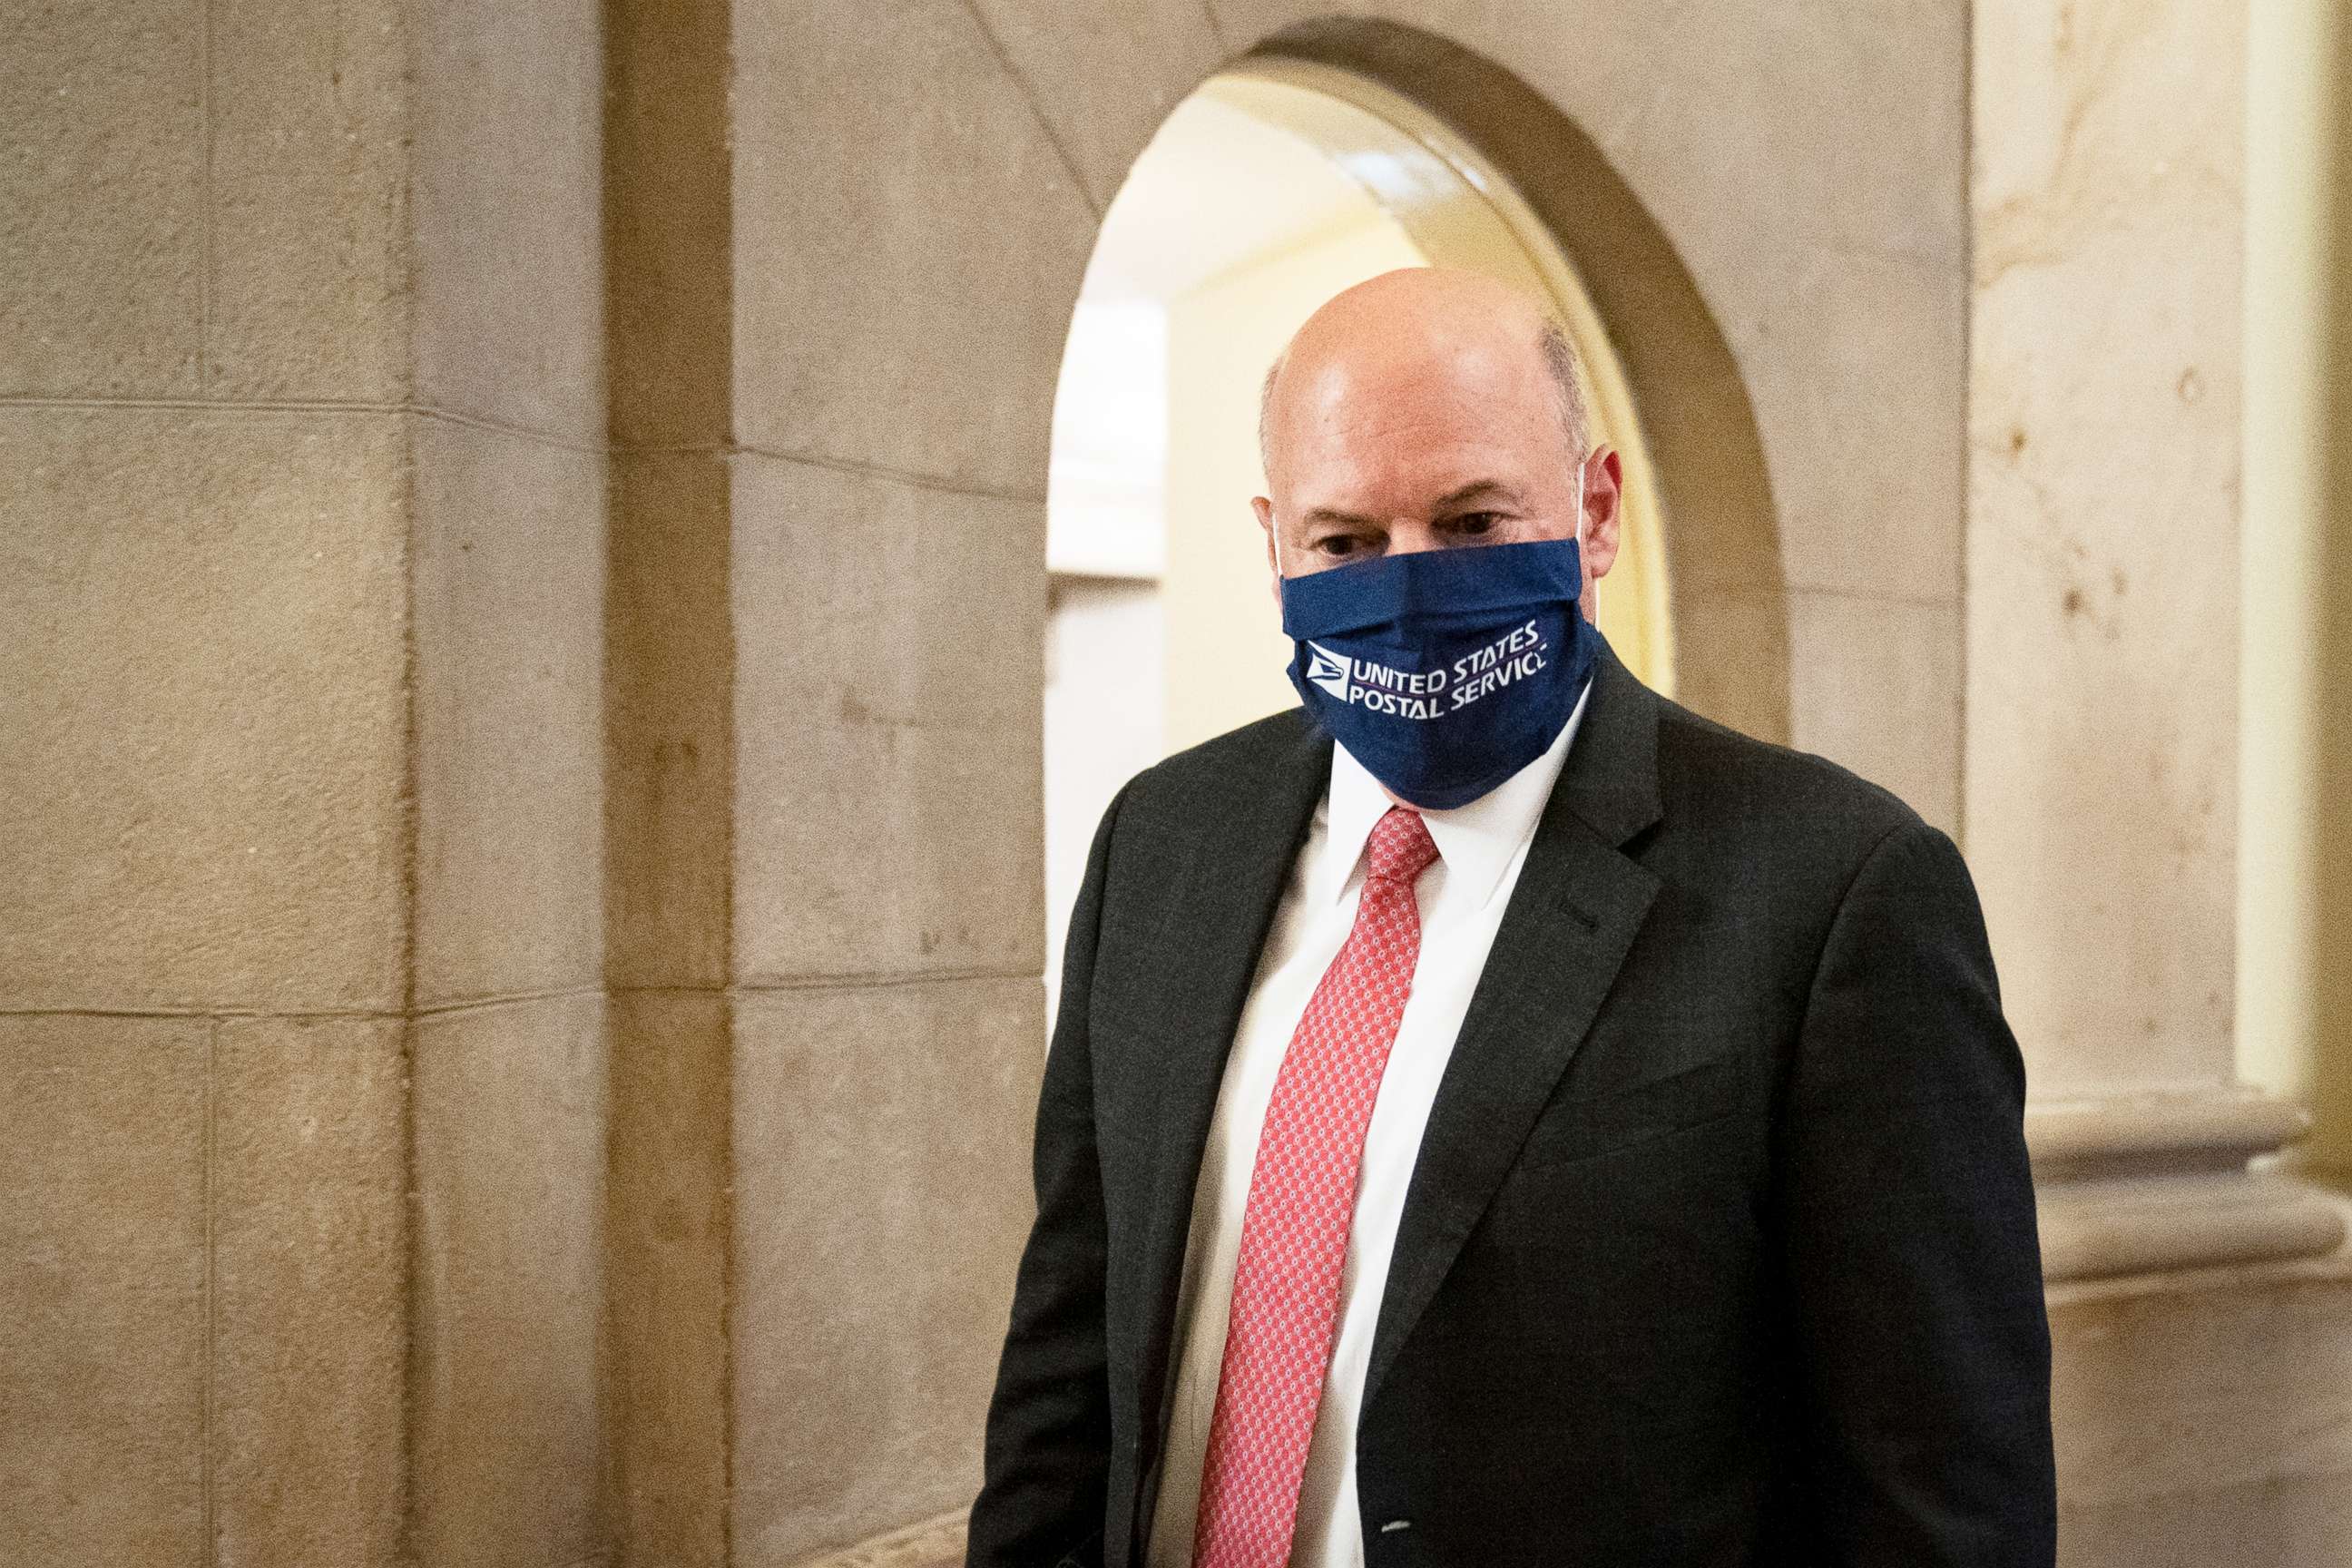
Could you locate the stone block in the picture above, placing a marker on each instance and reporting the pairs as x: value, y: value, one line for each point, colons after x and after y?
x: 2279, y: 1521
x: 309, y: 201
x: 310, y: 1300
x: 881, y: 1198
x: 509, y: 211
x: 2205, y: 1417
x: 669, y: 720
x: 1875, y: 686
x: 890, y: 641
x: 509, y: 1172
x: 668, y: 1222
x: 1858, y: 369
x: 909, y: 244
x: 101, y: 200
x: 201, y: 673
x: 1759, y: 133
x: 1102, y: 77
x: 102, y: 1290
x: 510, y: 630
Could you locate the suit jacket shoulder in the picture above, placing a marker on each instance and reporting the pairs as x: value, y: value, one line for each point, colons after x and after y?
x: 1778, y: 811
x: 1213, y: 781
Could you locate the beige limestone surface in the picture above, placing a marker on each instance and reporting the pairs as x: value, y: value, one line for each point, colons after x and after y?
x: 508, y: 1164
x: 1853, y: 658
x: 102, y: 213
x: 271, y: 619
x: 669, y: 652
x: 669, y: 185
x: 309, y: 1308
x: 103, y: 1354
x: 1101, y: 78
x: 909, y: 240
x: 2203, y: 1418
x: 891, y: 652
x: 2102, y: 704
x: 507, y: 704
x: 307, y: 111
x: 202, y: 681
x: 507, y: 193
x: 881, y: 1137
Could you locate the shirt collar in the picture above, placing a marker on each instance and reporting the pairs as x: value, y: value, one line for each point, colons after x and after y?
x: 1477, y: 842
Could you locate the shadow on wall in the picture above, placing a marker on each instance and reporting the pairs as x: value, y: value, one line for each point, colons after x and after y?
x: 2331, y: 695
x: 1728, y: 607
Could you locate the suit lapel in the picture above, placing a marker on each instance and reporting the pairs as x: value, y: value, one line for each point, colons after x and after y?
x: 1220, y: 914
x: 1572, y: 917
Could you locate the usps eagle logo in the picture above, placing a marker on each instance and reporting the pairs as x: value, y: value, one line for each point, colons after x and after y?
x: 1328, y: 670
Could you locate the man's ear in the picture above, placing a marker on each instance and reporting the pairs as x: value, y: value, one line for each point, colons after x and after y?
x: 1265, y: 510
x: 1604, y: 511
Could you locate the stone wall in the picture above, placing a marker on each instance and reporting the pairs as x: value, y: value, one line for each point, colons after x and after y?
x: 301, y: 399
x: 205, y: 423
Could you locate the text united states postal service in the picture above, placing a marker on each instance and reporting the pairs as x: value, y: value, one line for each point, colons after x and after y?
x: 1434, y: 692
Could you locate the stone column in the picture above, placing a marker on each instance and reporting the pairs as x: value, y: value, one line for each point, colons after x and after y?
x: 2199, y: 1307
x: 205, y: 837
x: 842, y: 252
x: 300, y: 1059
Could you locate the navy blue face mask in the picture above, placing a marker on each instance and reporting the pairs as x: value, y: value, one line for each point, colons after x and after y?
x: 1442, y: 671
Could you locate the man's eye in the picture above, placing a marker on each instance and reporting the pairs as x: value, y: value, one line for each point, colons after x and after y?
x: 1336, y: 544
x: 1474, y: 522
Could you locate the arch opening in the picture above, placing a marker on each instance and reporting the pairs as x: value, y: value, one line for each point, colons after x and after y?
x: 1286, y: 177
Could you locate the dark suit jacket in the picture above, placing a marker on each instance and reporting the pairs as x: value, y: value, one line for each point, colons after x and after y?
x: 1720, y: 1244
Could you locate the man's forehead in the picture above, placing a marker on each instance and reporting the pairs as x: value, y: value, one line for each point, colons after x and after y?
x: 1419, y: 299
x: 1434, y: 363
x: 1427, y: 416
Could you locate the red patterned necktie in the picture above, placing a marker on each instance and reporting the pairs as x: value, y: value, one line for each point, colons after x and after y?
x: 1302, y: 1194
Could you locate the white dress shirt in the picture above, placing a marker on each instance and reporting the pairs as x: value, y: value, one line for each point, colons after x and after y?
x: 1461, y: 898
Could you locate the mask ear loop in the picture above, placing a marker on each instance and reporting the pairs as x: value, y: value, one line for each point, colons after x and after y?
x: 1579, y: 532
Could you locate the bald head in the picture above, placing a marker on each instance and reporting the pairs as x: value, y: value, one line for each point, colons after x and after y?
x: 1425, y: 409
x: 1422, y: 298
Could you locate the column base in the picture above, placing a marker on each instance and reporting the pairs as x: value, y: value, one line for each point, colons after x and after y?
x: 2147, y: 1184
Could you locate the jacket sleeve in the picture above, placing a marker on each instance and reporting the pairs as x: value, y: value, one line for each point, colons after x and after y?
x: 1048, y: 1440
x: 1906, y: 1207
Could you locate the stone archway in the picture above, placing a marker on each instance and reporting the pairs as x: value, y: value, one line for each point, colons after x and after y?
x: 1730, y: 613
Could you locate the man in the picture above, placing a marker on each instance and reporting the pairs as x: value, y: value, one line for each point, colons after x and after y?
x: 1541, y: 1128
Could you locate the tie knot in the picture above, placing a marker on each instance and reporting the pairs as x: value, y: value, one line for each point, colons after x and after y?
x: 1401, y: 848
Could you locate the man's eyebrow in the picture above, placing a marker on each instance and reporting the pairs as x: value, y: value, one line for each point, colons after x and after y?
x: 1470, y: 491
x: 1475, y: 488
